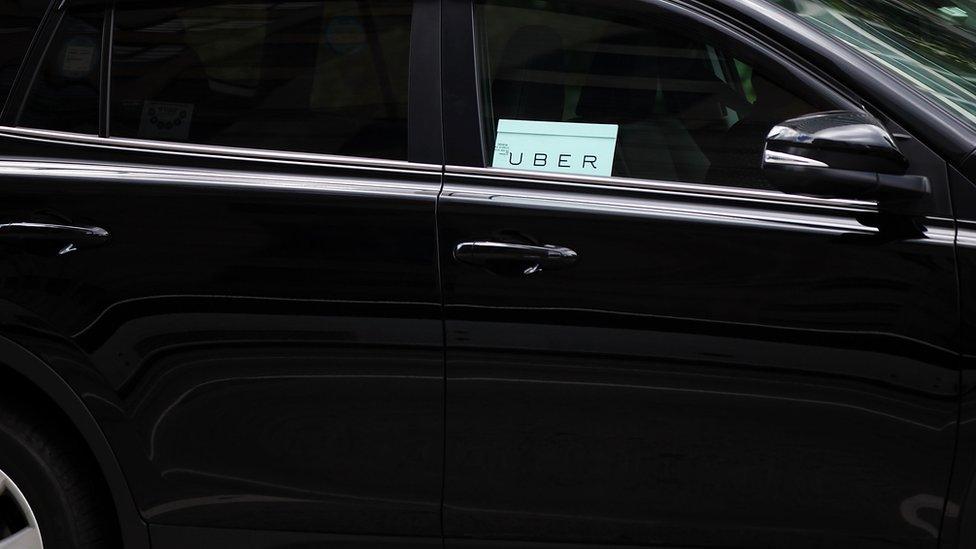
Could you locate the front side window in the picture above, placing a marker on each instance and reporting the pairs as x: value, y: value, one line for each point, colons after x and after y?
x: 582, y: 88
x: 323, y: 77
x: 18, y: 22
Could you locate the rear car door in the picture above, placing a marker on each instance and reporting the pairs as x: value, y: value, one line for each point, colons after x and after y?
x: 217, y: 223
x: 646, y: 343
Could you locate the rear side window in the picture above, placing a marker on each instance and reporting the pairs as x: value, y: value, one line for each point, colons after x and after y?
x: 18, y: 23
x: 323, y: 77
x: 585, y: 88
x: 64, y: 90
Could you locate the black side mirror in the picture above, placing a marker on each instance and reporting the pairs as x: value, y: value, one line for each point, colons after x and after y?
x: 839, y: 154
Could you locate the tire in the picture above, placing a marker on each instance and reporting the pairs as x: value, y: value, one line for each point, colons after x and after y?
x: 50, y: 474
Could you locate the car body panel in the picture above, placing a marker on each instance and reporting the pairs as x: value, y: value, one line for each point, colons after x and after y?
x: 721, y: 367
x: 251, y: 358
x: 713, y: 372
x: 262, y: 342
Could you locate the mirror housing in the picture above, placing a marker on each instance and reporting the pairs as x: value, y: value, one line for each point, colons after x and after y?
x: 839, y: 154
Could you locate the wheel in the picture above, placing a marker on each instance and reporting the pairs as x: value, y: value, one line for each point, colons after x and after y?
x: 18, y: 525
x: 51, y: 492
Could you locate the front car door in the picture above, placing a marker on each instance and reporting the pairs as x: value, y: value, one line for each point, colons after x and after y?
x: 231, y: 258
x: 667, y: 350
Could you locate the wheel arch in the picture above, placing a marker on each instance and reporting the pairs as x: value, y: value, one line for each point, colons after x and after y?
x: 16, y: 360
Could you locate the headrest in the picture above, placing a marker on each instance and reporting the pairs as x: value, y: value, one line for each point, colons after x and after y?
x: 622, y: 82
x: 640, y: 73
x: 527, y: 84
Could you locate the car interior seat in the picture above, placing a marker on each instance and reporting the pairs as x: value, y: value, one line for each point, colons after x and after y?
x: 527, y: 84
x: 624, y: 88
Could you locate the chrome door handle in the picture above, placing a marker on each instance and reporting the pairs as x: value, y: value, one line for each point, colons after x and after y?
x: 525, y: 258
x: 51, y: 230
x: 67, y: 237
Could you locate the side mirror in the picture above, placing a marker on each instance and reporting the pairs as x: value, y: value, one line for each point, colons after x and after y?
x: 839, y: 154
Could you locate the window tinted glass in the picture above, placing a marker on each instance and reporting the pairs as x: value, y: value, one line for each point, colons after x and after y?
x: 685, y: 107
x: 328, y: 77
x: 929, y: 44
x: 18, y: 22
x: 64, y: 94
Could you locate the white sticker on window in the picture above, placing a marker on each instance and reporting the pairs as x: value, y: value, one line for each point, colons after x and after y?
x: 559, y: 147
x: 79, y: 58
x: 165, y: 121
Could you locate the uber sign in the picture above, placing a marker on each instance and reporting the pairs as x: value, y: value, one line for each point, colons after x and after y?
x: 559, y: 147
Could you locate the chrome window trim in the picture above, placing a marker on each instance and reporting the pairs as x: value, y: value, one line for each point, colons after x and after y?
x: 742, y: 214
x: 217, y: 151
x: 338, y: 161
x: 205, y: 178
x: 784, y: 159
x: 662, y: 187
x: 966, y: 234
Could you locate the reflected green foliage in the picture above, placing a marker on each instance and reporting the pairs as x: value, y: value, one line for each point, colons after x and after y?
x: 745, y: 77
x: 929, y: 43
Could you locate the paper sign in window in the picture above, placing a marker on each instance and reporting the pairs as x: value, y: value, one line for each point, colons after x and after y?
x: 557, y: 147
x: 79, y: 58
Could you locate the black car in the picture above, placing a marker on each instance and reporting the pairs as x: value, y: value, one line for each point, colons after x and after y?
x: 463, y: 274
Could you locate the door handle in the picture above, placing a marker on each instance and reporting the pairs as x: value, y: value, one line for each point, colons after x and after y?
x: 52, y: 231
x: 71, y: 236
x: 522, y: 258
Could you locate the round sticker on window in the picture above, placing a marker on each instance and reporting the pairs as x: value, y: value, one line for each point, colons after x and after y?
x: 345, y: 34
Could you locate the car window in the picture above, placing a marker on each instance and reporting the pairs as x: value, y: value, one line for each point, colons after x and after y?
x: 65, y: 89
x: 928, y: 44
x: 18, y: 23
x: 583, y: 88
x: 324, y: 77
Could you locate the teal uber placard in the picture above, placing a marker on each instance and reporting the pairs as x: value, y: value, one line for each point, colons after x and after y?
x: 557, y: 147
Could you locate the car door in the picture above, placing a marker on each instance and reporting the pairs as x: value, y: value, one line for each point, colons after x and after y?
x: 217, y: 223
x: 646, y: 343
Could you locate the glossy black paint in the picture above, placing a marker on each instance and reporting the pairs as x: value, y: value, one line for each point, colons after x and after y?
x: 776, y: 376
x: 848, y: 140
x: 959, y: 521
x: 238, y: 329
x: 206, y: 538
x: 257, y: 354
x: 840, y: 154
x: 716, y: 369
